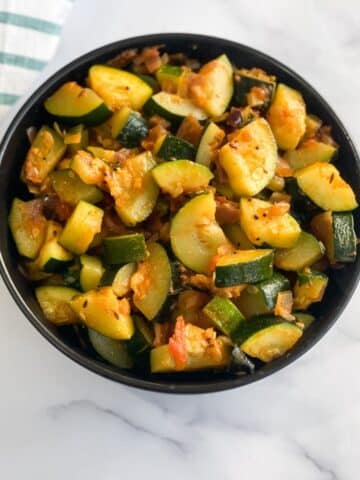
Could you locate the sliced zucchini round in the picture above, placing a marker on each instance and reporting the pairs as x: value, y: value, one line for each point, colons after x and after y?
x: 180, y: 176
x: 322, y: 183
x: 304, y: 253
x: 261, y: 226
x: 287, y: 115
x: 113, y: 351
x: 250, y: 158
x: 118, y: 88
x: 55, y: 304
x: 71, y: 189
x: 168, y: 77
x: 236, y: 235
x: 124, y: 249
x: 268, y: 338
x: 74, y: 104
x: 128, y: 127
x: 152, y: 281
x: 194, y: 234
x: 244, y: 266
x: 170, y: 147
x: 210, y: 142
x: 308, y: 153
x: 173, y: 108
x: 91, y: 272
x: 213, y: 88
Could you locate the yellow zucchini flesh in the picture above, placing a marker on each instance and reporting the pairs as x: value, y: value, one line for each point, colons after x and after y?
x: 262, y: 227
x: 287, y: 117
x: 102, y: 311
x: 118, y: 88
x: 250, y: 158
x: 322, y: 183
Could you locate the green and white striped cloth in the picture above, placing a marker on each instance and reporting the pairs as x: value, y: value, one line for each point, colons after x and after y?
x: 29, y: 35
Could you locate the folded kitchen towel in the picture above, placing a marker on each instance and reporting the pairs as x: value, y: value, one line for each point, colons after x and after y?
x: 29, y: 35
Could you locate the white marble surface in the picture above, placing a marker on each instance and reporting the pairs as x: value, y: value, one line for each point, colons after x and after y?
x: 59, y: 421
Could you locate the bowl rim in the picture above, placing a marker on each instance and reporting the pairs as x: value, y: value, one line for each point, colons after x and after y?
x: 107, y: 371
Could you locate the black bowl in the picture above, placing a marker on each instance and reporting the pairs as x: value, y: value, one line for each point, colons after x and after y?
x: 12, y: 153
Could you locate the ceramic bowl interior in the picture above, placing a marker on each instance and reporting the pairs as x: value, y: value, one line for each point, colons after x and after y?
x: 12, y: 153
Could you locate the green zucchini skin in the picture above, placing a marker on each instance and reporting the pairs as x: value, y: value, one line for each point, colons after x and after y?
x: 243, y: 85
x: 124, y: 249
x: 251, y: 272
x: 305, y: 318
x: 302, y: 208
x: 345, y: 241
x: 175, y: 148
x: 271, y: 287
x: 71, y: 189
x: 305, y: 252
x: 142, y: 339
x: 224, y: 314
x: 113, y: 351
x: 250, y: 327
x: 99, y: 115
x: 133, y: 132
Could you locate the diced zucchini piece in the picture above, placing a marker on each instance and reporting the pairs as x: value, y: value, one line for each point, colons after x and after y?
x: 309, y: 152
x: 199, y: 353
x: 211, y: 140
x: 102, y: 311
x: 170, y: 147
x: 71, y: 189
x: 173, y: 108
x: 52, y: 256
x: 250, y: 158
x: 128, y: 127
x: 152, y: 281
x: 90, y: 170
x: 180, y: 176
x: 104, y: 154
x: 149, y: 80
x: 45, y: 152
x: 74, y: 104
x: 118, y: 88
x: 304, y: 253
x: 76, y: 138
x: 194, y: 234
x: 109, y: 276
x: 304, y: 320
x: 237, y: 236
x: 252, y: 91
x: 28, y: 226
x: 113, y: 351
x: 55, y: 304
x: 143, y: 337
x: 267, y: 338
x: 213, y: 87
x: 309, y: 288
x: 134, y: 189
x: 312, y: 124
x: 336, y: 231
x: 168, y: 77
x: 322, y: 183
x: 81, y: 228
x: 264, y: 223
x: 261, y: 297
x: 224, y: 315
x: 244, y: 266
x: 121, y: 282
x: 286, y: 116
x: 124, y: 249
x: 91, y: 272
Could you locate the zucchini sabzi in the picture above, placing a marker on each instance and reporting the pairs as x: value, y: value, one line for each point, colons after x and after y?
x: 186, y: 215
